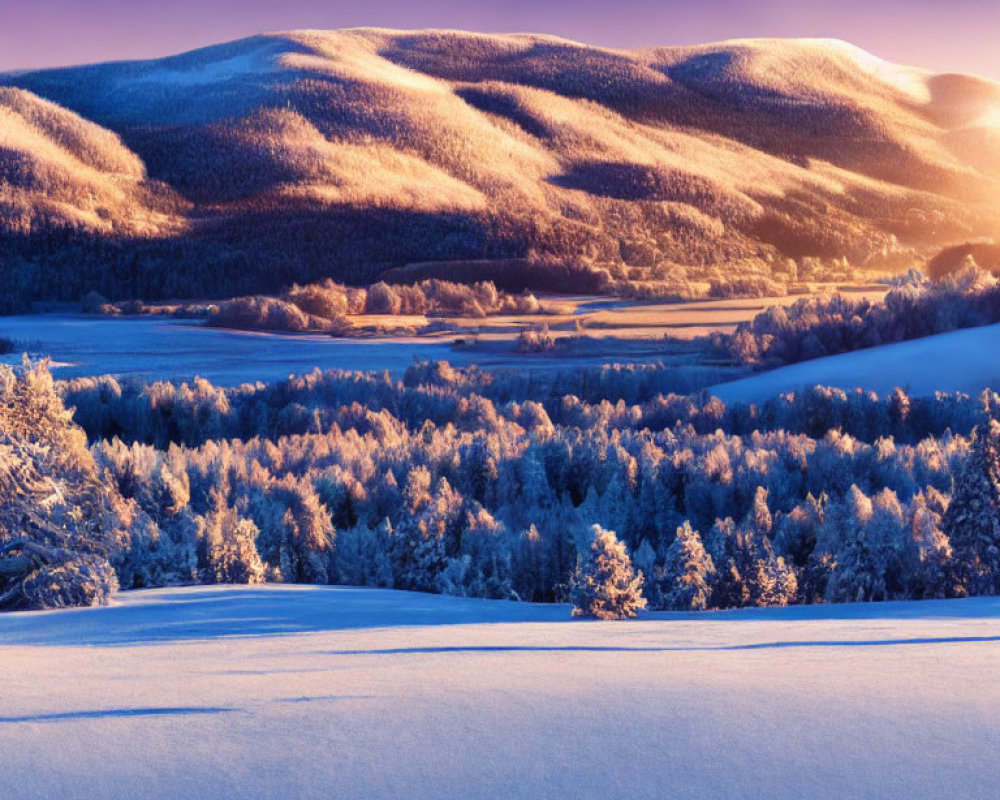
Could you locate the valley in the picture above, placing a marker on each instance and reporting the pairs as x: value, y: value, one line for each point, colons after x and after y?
x: 434, y: 414
x: 588, y: 332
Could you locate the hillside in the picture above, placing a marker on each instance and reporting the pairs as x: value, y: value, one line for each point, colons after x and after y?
x: 963, y: 361
x: 56, y: 168
x: 317, y: 692
x: 294, y: 156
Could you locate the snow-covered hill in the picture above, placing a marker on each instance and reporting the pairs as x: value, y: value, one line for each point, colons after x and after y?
x: 286, y: 691
x: 350, y: 151
x: 958, y: 361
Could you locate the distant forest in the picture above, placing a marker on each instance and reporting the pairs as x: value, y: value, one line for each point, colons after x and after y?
x: 255, y: 256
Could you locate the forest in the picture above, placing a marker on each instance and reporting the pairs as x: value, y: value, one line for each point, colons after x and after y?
x: 822, y: 325
x: 491, y: 484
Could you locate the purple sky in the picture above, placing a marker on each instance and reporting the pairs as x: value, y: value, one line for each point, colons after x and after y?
x: 945, y: 35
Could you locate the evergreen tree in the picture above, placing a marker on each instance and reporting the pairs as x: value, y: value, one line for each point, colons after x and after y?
x: 61, y: 521
x: 930, y: 553
x: 972, y: 521
x: 748, y: 573
x: 869, y: 557
x: 683, y: 583
x: 606, y: 586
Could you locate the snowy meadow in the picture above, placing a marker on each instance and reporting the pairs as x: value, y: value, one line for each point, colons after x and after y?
x: 319, y: 692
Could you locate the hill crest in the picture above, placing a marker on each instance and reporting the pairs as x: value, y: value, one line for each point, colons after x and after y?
x: 310, y: 153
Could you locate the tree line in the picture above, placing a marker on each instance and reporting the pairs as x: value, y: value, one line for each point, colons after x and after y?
x: 426, y: 484
x: 820, y: 326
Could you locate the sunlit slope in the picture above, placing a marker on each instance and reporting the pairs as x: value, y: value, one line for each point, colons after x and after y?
x: 388, y: 147
x: 59, y: 169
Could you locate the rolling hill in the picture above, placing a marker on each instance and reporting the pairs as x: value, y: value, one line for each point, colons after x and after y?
x: 294, y: 156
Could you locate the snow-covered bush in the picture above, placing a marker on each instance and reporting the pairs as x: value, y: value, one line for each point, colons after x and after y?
x: 535, y: 340
x: 262, y: 313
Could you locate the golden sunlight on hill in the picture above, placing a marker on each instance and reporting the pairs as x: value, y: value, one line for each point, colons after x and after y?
x: 381, y: 148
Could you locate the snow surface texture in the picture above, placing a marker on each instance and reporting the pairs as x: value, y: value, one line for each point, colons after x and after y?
x: 295, y: 691
x: 959, y: 361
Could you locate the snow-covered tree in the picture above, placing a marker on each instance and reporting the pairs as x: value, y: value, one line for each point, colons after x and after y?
x: 60, y: 523
x: 747, y: 571
x: 870, y: 554
x: 606, y: 586
x: 362, y: 556
x: 230, y: 548
x: 972, y: 521
x: 930, y: 551
x: 684, y: 582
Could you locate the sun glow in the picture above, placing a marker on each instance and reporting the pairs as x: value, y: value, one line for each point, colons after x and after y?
x: 991, y: 119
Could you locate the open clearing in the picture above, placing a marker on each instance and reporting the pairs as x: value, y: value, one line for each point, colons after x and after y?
x: 152, y: 348
x: 295, y: 691
x: 612, y: 318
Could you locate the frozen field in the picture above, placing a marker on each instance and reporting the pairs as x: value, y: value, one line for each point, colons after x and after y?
x: 960, y: 361
x: 149, y: 348
x: 321, y: 692
x: 160, y: 348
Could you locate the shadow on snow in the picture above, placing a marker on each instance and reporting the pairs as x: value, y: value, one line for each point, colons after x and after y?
x: 217, y: 612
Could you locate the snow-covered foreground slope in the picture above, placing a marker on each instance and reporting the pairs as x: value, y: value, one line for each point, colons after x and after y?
x: 959, y: 361
x: 340, y: 692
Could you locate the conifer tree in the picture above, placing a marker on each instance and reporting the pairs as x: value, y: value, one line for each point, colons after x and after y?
x: 683, y: 583
x: 972, y: 521
x: 606, y: 586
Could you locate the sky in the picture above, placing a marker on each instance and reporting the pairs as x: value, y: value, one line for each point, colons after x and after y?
x: 943, y: 35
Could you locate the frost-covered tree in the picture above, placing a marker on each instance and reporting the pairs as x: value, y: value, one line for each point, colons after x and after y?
x: 362, y: 556
x: 930, y: 551
x: 229, y: 542
x: 748, y: 572
x: 296, y: 532
x: 423, y: 542
x: 530, y: 566
x: 871, y: 549
x: 606, y: 586
x: 972, y: 521
x: 684, y: 582
x: 60, y: 523
x: 483, y: 566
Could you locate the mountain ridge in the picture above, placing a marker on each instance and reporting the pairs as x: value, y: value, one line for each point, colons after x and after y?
x: 307, y: 154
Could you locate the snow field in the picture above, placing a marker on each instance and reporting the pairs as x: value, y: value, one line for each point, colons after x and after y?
x: 342, y: 692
